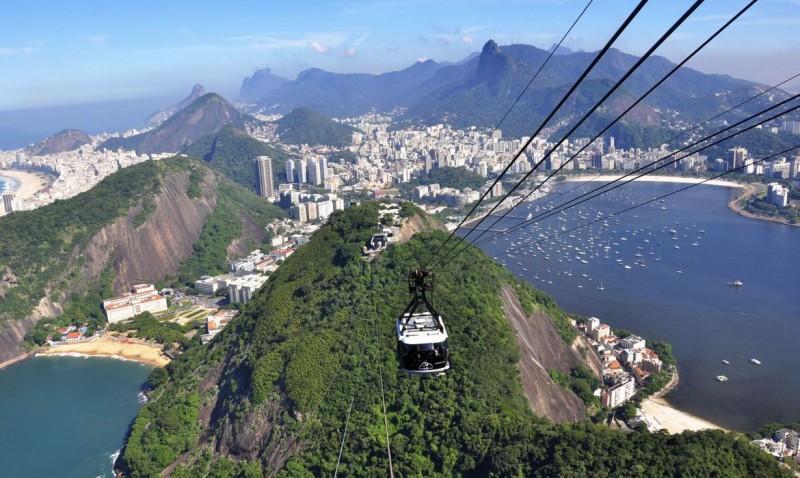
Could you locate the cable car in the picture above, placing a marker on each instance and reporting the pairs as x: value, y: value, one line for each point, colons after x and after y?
x: 421, y: 336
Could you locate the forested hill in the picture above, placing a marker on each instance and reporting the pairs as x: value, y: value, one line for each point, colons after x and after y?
x: 170, y: 218
x: 271, y: 395
x: 305, y: 126
x: 231, y: 151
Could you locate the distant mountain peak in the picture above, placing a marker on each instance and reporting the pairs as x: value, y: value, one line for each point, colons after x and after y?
x: 160, y: 116
x: 492, y: 64
x: 559, y: 50
x: 205, y: 115
x: 64, y: 140
x: 262, y: 83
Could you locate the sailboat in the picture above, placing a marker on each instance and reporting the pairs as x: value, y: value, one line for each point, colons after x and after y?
x: 600, y: 287
x: 680, y: 270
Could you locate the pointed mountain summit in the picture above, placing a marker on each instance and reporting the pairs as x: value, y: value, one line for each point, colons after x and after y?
x: 159, y: 117
x: 65, y: 140
x: 493, y: 64
x: 261, y: 84
x: 206, y: 115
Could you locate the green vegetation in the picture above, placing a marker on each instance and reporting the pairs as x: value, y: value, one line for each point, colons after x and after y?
x: 148, y: 208
x: 582, y: 381
x: 80, y: 309
x: 147, y: 327
x: 306, y: 126
x: 38, y: 245
x: 222, y: 227
x: 231, y: 151
x: 321, y: 333
x: 458, y: 178
x: 760, y: 206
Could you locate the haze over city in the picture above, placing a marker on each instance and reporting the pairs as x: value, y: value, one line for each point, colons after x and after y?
x: 85, y: 52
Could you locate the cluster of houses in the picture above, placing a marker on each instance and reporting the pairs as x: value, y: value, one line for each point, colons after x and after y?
x: 784, y: 443
x: 246, y: 275
x: 627, y: 362
x: 68, y: 335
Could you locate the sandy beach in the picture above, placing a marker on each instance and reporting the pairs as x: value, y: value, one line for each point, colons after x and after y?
x: 28, y: 184
x: 108, y: 347
x: 675, y: 421
x: 664, y: 179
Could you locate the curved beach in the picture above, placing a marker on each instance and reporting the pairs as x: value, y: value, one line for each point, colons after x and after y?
x: 108, y: 347
x: 26, y: 184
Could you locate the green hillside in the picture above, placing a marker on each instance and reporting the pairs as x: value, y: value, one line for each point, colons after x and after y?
x: 306, y: 126
x: 45, y: 248
x: 37, y: 244
x: 270, y: 396
x: 232, y: 151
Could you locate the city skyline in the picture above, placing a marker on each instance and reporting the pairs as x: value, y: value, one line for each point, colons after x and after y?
x: 73, y: 54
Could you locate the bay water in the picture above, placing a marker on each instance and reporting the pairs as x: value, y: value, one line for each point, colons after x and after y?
x: 66, y: 416
x: 680, y: 254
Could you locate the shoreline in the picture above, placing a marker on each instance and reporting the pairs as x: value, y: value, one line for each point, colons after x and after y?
x: 27, y: 183
x: 110, y: 348
x: 674, y: 420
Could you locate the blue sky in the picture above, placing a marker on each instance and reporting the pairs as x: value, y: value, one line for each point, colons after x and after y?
x: 54, y: 52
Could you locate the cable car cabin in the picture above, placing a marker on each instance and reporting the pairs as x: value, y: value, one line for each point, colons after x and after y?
x: 422, y: 344
x: 421, y: 337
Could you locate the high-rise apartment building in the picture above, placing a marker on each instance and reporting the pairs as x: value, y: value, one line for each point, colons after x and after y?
x: 266, y: 185
x: 289, y: 170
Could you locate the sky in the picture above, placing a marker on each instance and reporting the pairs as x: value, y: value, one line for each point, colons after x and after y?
x: 71, y: 52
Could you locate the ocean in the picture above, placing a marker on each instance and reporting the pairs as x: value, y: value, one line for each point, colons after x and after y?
x: 66, y: 416
x: 680, y: 294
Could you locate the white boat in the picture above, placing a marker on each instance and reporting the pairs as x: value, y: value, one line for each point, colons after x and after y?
x: 601, y: 286
x: 726, y: 362
x: 755, y: 361
x: 736, y: 283
x: 722, y: 378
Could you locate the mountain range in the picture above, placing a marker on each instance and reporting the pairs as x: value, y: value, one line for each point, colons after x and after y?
x: 480, y: 89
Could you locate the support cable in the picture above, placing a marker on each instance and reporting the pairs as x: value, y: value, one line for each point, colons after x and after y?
x: 616, y: 182
x: 658, y: 198
x: 563, y: 100
x: 586, y: 116
x: 618, y: 118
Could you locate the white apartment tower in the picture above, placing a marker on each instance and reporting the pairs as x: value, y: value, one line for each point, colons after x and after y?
x: 314, y: 172
x: 289, y: 170
x: 266, y: 185
x: 302, y: 172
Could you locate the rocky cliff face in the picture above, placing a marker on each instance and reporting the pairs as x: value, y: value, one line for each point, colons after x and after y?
x: 144, y: 254
x: 541, y: 349
x: 156, y: 248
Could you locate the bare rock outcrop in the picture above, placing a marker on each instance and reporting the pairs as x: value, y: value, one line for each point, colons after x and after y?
x: 541, y: 349
x: 138, y: 254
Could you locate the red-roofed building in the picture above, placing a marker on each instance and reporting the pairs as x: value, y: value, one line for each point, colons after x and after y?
x: 74, y: 337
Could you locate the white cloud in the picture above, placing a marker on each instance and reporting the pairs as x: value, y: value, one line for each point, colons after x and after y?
x: 7, y: 51
x: 318, y: 47
x: 347, y: 52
